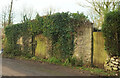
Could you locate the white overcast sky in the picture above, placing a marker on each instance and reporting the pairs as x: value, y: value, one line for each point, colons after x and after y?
x: 41, y: 5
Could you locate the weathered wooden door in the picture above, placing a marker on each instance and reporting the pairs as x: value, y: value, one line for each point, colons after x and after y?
x: 99, y: 53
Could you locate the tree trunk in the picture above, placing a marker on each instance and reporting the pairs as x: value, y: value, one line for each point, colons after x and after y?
x: 9, y: 19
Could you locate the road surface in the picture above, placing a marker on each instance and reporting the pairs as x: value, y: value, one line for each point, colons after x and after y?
x: 13, y: 67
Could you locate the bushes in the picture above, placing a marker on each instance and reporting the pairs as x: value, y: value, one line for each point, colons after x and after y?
x: 111, y: 32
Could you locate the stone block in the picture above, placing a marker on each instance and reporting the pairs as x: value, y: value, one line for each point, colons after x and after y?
x: 112, y: 59
x: 111, y: 64
x: 115, y: 69
x: 119, y: 67
x: 117, y: 60
x: 106, y: 62
x: 108, y: 68
x: 115, y: 57
x: 116, y: 66
x: 114, y: 62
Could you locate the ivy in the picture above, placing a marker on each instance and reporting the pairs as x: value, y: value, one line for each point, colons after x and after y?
x: 111, y: 32
x: 60, y: 28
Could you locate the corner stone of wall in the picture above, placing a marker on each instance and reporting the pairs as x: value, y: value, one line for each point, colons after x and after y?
x: 82, y: 49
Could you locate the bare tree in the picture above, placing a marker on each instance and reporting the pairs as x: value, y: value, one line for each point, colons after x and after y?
x: 49, y: 11
x: 26, y: 13
x: 7, y: 15
x: 100, y: 8
x: 4, y: 17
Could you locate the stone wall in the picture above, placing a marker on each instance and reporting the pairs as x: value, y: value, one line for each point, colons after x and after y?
x: 112, y: 64
x: 83, y: 41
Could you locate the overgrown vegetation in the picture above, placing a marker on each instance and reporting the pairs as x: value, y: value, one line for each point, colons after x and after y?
x: 60, y: 28
x: 111, y: 32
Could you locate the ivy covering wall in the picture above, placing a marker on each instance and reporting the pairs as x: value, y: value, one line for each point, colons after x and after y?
x: 60, y: 28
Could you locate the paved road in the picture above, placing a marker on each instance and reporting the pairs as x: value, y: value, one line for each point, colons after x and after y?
x: 12, y: 67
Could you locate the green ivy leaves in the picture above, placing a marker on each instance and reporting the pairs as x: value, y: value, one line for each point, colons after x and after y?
x: 111, y: 32
x: 60, y: 28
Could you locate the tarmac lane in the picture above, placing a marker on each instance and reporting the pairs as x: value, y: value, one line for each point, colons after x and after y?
x: 13, y: 67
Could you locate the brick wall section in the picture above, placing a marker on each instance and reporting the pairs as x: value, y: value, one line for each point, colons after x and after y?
x: 83, y: 40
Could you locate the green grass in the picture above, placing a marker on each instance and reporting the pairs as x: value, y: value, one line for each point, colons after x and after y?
x: 98, y: 71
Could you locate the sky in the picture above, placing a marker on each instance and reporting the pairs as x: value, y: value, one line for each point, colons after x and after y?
x: 41, y: 6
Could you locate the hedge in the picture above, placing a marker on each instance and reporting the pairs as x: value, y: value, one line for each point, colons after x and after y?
x: 111, y: 33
